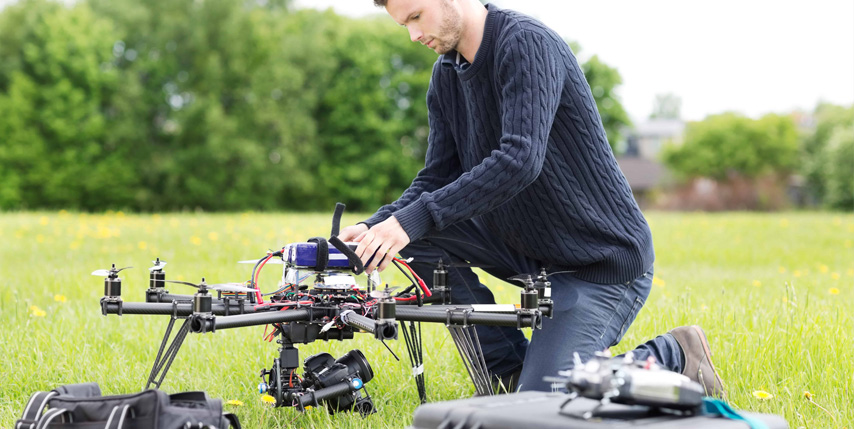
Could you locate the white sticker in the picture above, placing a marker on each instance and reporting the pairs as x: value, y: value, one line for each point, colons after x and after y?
x: 417, y: 370
x: 494, y: 308
x: 548, y: 293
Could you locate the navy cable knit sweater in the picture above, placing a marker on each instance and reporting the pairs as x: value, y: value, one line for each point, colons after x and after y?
x: 515, y: 138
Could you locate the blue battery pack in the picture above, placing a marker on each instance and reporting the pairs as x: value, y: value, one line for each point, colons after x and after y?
x: 304, y: 255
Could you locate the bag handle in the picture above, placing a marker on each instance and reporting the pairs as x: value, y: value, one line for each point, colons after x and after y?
x: 117, y: 419
x: 33, y: 412
x: 50, y: 415
x: 233, y: 421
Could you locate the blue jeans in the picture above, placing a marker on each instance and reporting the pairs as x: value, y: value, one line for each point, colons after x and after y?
x: 587, y: 317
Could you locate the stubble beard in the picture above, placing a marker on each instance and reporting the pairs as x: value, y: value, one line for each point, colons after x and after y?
x: 450, y: 31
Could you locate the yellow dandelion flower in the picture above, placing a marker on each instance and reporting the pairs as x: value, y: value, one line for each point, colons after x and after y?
x: 784, y: 223
x: 851, y: 227
x: 834, y: 291
x: 60, y: 298
x: 657, y: 281
x: 757, y: 283
x: 236, y: 403
x: 63, y: 212
x: 823, y: 268
x: 268, y: 399
x: 40, y: 238
x: 834, y: 276
x: 781, y: 269
x: 212, y: 236
x: 120, y: 214
x: 74, y: 245
x: 43, y: 220
x: 761, y: 394
x: 195, y: 240
x: 797, y: 273
x: 807, y: 395
x: 785, y: 299
x: 37, y: 312
x: 142, y: 245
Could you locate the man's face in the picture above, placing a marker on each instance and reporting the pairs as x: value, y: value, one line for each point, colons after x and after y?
x: 434, y: 23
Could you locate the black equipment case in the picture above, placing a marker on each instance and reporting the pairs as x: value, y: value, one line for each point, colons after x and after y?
x: 542, y: 410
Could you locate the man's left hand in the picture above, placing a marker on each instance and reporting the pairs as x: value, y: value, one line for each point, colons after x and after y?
x: 383, y: 241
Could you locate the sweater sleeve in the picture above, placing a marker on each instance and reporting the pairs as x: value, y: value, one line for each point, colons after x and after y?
x: 529, y: 81
x: 441, y: 164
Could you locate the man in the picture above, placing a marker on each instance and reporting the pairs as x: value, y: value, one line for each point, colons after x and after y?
x: 519, y: 176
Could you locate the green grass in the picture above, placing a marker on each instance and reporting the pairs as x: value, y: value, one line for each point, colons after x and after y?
x: 773, y: 292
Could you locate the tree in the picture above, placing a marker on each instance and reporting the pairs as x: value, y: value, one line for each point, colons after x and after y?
x: 726, y: 144
x: 53, y: 86
x: 666, y: 106
x: 814, y: 151
x: 603, y: 81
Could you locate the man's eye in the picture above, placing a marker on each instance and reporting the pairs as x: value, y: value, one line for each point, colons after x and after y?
x: 416, y: 16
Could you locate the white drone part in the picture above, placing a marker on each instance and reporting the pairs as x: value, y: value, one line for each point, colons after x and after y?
x: 339, y: 280
x: 374, y: 277
x: 291, y: 276
x: 158, y: 265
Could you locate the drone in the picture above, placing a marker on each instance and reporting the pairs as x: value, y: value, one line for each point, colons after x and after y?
x: 318, y: 298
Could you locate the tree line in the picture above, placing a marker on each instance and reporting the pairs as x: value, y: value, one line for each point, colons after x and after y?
x: 214, y: 105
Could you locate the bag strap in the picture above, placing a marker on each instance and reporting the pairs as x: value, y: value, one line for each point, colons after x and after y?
x: 233, y: 421
x: 716, y: 407
x: 33, y: 412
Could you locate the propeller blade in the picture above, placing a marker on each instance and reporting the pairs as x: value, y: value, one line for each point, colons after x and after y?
x: 101, y: 273
x: 122, y: 269
x: 385, y: 293
x: 182, y: 283
x: 158, y: 265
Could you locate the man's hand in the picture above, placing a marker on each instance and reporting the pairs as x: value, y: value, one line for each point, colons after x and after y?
x: 383, y: 241
x: 351, y: 232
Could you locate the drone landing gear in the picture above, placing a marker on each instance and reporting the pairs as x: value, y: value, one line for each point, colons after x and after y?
x: 412, y: 336
x: 163, y: 361
x: 468, y: 345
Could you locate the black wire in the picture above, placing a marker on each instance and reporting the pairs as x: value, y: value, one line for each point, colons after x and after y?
x: 418, y: 299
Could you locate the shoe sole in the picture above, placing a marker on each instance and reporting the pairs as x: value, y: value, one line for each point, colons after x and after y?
x: 708, y: 353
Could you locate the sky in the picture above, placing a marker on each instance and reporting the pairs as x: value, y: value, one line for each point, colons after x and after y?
x: 749, y: 56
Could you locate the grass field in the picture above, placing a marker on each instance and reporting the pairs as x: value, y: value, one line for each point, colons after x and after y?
x: 773, y: 292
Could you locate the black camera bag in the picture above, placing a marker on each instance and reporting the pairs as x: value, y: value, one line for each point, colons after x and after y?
x: 81, y: 406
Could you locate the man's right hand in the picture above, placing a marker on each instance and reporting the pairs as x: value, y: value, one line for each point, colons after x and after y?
x: 353, y: 232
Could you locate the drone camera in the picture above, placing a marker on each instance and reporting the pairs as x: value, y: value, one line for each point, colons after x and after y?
x: 337, y: 382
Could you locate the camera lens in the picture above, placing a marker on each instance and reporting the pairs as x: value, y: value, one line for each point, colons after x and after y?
x: 356, y: 362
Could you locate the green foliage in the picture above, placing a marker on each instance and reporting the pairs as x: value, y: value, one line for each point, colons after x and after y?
x: 729, y: 143
x: 53, y: 88
x: 603, y: 80
x: 215, y: 104
x: 839, y: 154
x: 815, y: 152
x: 372, y: 118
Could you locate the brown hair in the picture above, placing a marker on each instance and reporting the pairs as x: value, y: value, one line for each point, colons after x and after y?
x: 380, y: 3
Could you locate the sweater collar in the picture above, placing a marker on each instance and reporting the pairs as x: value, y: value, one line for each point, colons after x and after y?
x: 459, y: 63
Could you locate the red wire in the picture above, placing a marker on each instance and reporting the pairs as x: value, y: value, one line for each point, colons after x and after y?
x: 255, y: 280
x: 420, y: 282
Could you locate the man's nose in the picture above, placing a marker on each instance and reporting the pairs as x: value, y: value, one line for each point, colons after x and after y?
x: 415, y: 34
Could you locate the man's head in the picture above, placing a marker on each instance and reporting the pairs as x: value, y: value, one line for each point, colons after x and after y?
x: 438, y: 24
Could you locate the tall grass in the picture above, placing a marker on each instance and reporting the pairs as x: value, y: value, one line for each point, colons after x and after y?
x: 773, y: 292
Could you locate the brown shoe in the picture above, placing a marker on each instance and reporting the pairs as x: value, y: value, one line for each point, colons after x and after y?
x: 698, y: 359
